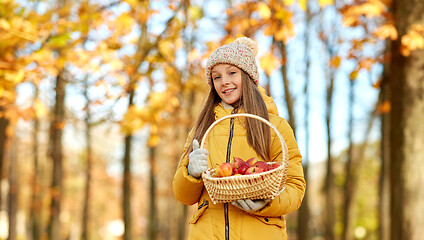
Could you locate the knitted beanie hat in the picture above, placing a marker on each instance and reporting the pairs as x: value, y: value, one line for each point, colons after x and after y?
x: 240, y: 53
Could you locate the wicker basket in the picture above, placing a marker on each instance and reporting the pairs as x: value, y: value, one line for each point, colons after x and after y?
x: 265, y: 185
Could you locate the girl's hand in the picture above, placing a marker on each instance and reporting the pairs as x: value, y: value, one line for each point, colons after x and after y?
x: 197, y: 160
x: 251, y: 205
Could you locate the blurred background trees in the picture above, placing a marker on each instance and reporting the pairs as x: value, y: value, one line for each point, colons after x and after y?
x: 97, y: 98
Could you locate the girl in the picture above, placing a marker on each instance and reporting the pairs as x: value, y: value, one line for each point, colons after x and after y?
x: 233, y: 77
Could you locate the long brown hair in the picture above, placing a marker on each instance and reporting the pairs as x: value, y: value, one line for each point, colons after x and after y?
x: 258, y: 133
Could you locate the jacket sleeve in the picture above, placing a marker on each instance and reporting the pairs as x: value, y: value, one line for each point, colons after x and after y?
x: 186, y: 188
x: 291, y: 198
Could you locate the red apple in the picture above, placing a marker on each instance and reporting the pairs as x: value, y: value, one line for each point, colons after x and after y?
x: 224, y: 170
x: 237, y: 162
x: 239, y: 166
x: 253, y: 170
x: 252, y: 161
x: 242, y: 169
x: 262, y: 165
x: 274, y: 165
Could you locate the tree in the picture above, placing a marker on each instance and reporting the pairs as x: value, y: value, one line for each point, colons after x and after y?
x: 303, y: 229
x: 406, y: 128
x: 88, y: 171
x: 329, y: 187
x: 36, y: 205
x: 3, y: 137
x: 13, y: 189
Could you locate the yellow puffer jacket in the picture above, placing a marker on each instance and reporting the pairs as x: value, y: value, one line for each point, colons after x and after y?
x: 209, y: 220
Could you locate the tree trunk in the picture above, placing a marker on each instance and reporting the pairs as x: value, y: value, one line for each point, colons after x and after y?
x: 36, y: 198
x: 384, y: 183
x: 329, y: 177
x: 86, y: 207
x: 153, y: 223
x: 13, y: 189
x: 407, y: 128
x: 350, y: 171
x: 127, y: 178
x: 3, y: 138
x: 56, y: 131
x: 183, y: 215
x: 303, y: 231
x: 287, y: 93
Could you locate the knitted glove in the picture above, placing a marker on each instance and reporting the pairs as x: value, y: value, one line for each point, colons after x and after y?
x: 197, y: 160
x: 251, y: 205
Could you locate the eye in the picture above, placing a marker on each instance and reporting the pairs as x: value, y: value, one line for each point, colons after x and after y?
x: 216, y: 78
x: 232, y: 72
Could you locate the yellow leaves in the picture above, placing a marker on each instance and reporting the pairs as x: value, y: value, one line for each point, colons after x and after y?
x: 60, y: 125
x: 134, y: 119
x: 132, y: 3
x: 124, y: 23
x: 7, y: 95
x: 122, y: 81
x: 158, y: 105
x: 366, y: 63
x: 195, y: 12
x: 166, y: 48
x: 285, y: 33
x: 384, y: 107
x: 324, y: 3
x: 377, y: 84
x: 269, y: 63
x: 154, y: 136
x: 353, y: 75
x: 288, y: 2
x: 281, y: 32
x: 335, y: 61
x: 303, y: 4
x: 178, y: 43
x: 264, y: 11
x: 59, y: 41
x: 40, y: 109
x: 369, y: 9
x: 14, y: 76
x: 4, y: 25
x: 116, y: 64
x: 280, y: 25
x: 157, y: 100
x: 372, y: 8
x: 12, y: 32
x: 386, y: 31
x: 194, y: 55
x: 412, y: 40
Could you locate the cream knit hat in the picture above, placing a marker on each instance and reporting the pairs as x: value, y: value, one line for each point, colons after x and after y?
x: 240, y: 53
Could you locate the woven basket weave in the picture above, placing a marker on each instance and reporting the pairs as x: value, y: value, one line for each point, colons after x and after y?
x: 265, y: 185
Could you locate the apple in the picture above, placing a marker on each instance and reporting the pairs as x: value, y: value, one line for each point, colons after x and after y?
x: 241, y: 170
x: 262, y: 165
x: 252, y: 161
x: 274, y: 165
x: 224, y: 170
x: 239, y: 166
x: 238, y: 162
x: 252, y: 170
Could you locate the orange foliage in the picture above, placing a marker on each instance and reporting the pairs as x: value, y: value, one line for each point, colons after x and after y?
x: 412, y: 40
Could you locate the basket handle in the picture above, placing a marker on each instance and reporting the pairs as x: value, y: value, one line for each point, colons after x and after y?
x: 285, y: 152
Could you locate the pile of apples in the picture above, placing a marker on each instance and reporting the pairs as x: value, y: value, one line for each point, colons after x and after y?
x: 240, y: 167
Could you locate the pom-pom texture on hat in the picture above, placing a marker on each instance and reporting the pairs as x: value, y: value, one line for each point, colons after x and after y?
x: 240, y: 53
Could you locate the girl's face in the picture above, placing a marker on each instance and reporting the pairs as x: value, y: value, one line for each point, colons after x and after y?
x: 227, y: 82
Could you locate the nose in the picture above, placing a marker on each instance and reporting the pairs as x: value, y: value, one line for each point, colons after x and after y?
x: 225, y: 80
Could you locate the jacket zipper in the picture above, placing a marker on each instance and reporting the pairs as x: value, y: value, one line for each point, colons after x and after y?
x: 227, y: 221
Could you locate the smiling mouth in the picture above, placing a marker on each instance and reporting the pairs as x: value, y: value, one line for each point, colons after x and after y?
x: 229, y: 91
